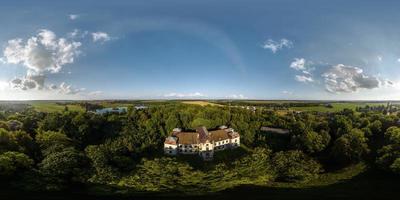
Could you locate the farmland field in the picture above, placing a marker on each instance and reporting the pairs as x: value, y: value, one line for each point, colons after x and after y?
x: 201, y: 103
x: 336, y: 107
x: 54, y: 107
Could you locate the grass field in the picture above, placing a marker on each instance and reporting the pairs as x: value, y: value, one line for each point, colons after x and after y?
x: 54, y: 107
x: 336, y: 107
x: 201, y: 103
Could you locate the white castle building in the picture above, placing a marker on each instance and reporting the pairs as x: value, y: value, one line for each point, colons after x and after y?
x: 201, y: 142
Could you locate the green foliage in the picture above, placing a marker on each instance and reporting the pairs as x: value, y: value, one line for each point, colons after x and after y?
x: 350, y: 147
x: 311, y: 141
x: 126, y: 150
x: 12, y: 163
x: 340, y: 125
x: 51, y: 141
x: 61, y: 168
x: 292, y: 166
x: 389, y: 154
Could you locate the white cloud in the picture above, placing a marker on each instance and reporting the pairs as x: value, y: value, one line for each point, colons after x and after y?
x: 185, y: 95
x: 287, y: 92
x: 304, y: 79
x: 398, y: 60
x: 43, y: 52
x: 275, y: 46
x: 303, y: 66
x: 236, y: 96
x: 347, y: 79
x: 77, y: 34
x: 73, y: 16
x: 68, y: 89
x: 100, y: 37
x: 380, y: 58
x: 298, y: 64
x: 4, y: 85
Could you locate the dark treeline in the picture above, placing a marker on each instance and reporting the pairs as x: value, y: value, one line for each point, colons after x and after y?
x: 56, y: 151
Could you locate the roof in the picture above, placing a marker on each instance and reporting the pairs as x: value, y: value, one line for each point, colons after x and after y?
x: 219, y: 135
x: 203, y: 134
x: 171, y: 140
x: 187, y: 138
x: 275, y: 130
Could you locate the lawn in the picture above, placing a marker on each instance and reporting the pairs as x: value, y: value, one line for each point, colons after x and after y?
x: 54, y: 107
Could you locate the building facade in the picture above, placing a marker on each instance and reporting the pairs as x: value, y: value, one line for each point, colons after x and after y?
x: 201, y: 142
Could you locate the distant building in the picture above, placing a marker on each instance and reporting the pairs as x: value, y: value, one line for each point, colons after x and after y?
x: 201, y: 142
x: 118, y: 110
x: 275, y: 130
x: 140, y: 107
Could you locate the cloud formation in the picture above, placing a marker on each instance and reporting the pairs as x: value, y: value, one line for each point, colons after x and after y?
x: 73, y: 16
x: 346, y: 79
x: 298, y: 64
x: 185, y: 95
x: 303, y: 66
x: 29, y: 82
x: 42, y: 52
x: 304, y: 79
x: 236, y: 96
x: 275, y: 46
x: 100, y: 37
x: 67, y: 89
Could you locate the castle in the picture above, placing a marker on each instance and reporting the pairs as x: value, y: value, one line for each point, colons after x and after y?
x: 201, y: 142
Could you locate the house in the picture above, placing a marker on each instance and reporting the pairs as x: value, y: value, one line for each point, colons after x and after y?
x: 201, y: 142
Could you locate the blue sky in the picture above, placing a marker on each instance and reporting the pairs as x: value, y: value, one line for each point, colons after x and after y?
x: 272, y: 49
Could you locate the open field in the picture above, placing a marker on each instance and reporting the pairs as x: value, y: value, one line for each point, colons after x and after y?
x: 54, y: 107
x: 335, y: 107
x: 201, y: 103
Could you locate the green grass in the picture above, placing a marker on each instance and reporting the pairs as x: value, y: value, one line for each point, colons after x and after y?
x: 54, y: 107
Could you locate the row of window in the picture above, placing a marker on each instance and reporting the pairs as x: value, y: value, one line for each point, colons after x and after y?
x: 190, y: 150
x: 195, y: 146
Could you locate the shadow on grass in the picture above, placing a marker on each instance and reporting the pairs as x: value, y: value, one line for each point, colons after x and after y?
x: 371, y: 184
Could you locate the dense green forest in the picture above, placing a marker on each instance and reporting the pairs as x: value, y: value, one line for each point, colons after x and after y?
x: 57, y: 151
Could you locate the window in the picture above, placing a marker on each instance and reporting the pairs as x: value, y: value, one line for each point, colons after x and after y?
x: 235, y: 140
x: 185, y: 150
x: 180, y: 146
x: 180, y: 150
x: 207, y: 149
x: 170, y: 152
x: 170, y: 147
x: 206, y: 144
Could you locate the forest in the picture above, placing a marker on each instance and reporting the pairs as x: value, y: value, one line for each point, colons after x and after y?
x: 58, y: 151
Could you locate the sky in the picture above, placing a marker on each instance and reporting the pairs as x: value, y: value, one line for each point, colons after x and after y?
x: 187, y: 49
